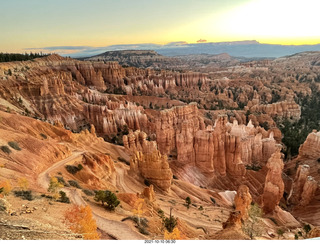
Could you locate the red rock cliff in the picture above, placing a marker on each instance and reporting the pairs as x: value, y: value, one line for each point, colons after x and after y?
x: 304, y: 187
x: 224, y: 148
x: 284, y: 109
x: 310, y: 149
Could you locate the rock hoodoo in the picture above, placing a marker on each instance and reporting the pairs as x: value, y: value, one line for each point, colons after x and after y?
x: 154, y: 167
x: 310, y: 149
x: 274, y: 186
x: 243, y: 201
x: 225, y: 148
x: 304, y: 186
x: 147, y: 160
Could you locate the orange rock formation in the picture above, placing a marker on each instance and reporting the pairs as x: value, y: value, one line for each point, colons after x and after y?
x: 274, y: 186
x: 304, y: 186
x: 242, y: 201
x: 284, y: 109
x: 310, y: 149
x: 147, y: 160
x: 154, y: 167
x: 225, y: 148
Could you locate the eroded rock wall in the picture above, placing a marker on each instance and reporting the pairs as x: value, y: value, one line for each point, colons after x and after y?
x: 222, y: 148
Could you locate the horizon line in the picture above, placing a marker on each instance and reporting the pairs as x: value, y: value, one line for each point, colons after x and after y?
x: 178, y: 43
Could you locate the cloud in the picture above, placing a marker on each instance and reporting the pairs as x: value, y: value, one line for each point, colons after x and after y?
x: 180, y: 43
x: 201, y: 41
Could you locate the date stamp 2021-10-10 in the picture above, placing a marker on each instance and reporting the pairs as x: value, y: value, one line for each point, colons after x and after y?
x: 160, y: 241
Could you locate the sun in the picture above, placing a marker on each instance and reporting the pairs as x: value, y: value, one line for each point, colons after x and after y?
x: 274, y: 21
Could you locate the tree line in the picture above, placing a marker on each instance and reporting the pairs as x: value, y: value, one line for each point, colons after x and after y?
x: 296, y: 132
x: 9, y: 57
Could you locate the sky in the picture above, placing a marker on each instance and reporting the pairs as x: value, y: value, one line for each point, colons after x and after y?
x: 67, y: 26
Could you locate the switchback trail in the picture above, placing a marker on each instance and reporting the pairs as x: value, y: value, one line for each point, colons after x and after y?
x: 115, y: 229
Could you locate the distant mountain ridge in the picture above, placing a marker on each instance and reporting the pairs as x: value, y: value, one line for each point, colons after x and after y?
x: 152, y: 59
x: 247, y: 49
x: 239, y: 49
x: 137, y: 58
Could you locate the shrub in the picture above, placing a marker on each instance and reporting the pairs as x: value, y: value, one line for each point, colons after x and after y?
x: 212, y: 200
x: 188, y: 202
x: 252, y: 226
x: 26, y: 195
x: 88, y: 192
x: 63, y: 197
x: 80, y: 220
x: 140, y: 221
x: 23, y: 183
x: 296, y: 237
x: 62, y: 181
x: 14, y: 145
x: 107, y: 197
x: 139, y: 208
x: 273, y: 220
x: 46, y: 196
x: 54, y: 186
x: 2, y: 206
x: 280, y: 232
x: 141, y: 224
x: 174, y: 235
x: 307, y: 228
x: 124, y: 161
x: 265, y: 125
x: 71, y: 169
x: 80, y: 167
x: 161, y: 213
x: 253, y: 167
x: 5, y: 187
x: 143, y: 230
x: 172, y: 201
x: 43, y: 136
x: 175, y: 177
x: 5, y: 149
x: 170, y: 223
x: 146, y: 182
x: 200, y: 208
x: 74, y: 184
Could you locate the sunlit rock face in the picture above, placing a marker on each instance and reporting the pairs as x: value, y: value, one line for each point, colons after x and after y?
x: 224, y: 148
x: 147, y: 160
x: 274, y: 186
x: 304, y: 186
x: 310, y: 149
x: 243, y: 201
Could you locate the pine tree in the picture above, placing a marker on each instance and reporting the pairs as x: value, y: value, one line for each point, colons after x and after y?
x: 107, y: 197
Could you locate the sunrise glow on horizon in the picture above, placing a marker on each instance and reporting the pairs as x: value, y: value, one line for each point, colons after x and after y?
x: 39, y: 24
